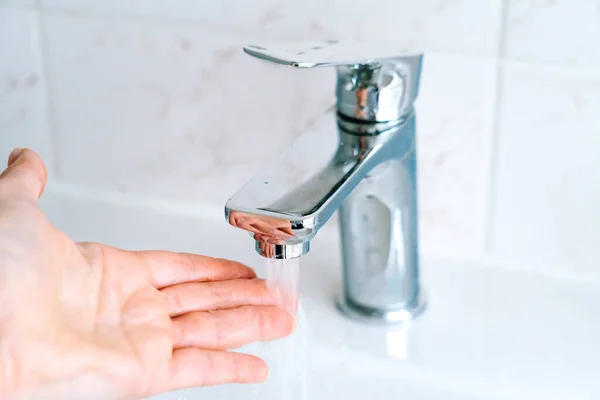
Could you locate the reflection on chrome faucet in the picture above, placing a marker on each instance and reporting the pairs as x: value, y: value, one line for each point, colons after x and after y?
x: 264, y: 227
x: 274, y: 237
x: 369, y: 178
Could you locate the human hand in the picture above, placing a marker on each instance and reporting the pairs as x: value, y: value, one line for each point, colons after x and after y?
x: 89, y: 321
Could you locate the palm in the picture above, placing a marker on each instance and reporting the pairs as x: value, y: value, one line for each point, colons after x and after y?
x: 101, y: 322
x: 130, y: 315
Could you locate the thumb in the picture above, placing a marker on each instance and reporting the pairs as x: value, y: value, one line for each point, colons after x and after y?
x: 24, y: 177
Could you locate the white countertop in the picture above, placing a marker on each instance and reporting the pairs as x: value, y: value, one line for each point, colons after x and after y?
x: 488, y: 332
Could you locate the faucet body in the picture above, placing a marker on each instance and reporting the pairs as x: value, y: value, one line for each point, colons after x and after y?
x: 379, y: 232
x: 370, y: 180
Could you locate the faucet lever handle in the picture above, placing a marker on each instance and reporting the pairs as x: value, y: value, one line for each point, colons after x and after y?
x: 376, y: 81
x: 330, y: 53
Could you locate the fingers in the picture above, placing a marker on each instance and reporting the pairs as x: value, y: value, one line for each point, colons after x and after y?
x: 167, y: 268
x: 195, y: 367
x: 232, y: 328
x: 205, y: 296
x: 25, y: 176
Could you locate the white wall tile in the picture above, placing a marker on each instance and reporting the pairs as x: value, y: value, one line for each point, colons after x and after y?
x: 464, y: 26
x: 170, y: 111
x: 23, y: 120
x: 564, y: 31
x: 454, y: 117
x: 548, y: 182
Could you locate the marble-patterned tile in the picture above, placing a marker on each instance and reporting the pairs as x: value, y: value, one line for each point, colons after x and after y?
x: 454, y: 123
x: 561, y: 31
x: 547, y: 187
x: 168, y: 111
x: 440, y: 25
x: 23, y: 118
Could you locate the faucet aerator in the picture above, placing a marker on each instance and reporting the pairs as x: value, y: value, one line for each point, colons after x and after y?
x: 282, y: 251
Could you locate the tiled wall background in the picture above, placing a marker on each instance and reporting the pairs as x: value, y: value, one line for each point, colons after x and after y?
x: 155, y: 100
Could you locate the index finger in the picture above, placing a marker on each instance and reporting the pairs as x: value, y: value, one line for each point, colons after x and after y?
x: 167, y: 268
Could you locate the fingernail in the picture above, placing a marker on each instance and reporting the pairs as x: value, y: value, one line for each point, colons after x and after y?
x: 14, y: 155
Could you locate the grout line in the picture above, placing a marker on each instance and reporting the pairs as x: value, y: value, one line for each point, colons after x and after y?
x: 503, y: 29
x: 494, y: 142
x: 45, y: 78
x: 493, y: 157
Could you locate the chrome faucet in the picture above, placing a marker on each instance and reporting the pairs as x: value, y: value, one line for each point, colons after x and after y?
x: 370, y: 179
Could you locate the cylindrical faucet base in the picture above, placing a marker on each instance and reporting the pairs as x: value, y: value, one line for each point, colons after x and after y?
x: 383, y: 316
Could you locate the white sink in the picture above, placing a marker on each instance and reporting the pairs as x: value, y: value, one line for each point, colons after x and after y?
x: 488, y: 332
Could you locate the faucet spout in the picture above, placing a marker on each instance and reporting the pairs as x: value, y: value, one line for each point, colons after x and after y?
x: 287, y: 203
